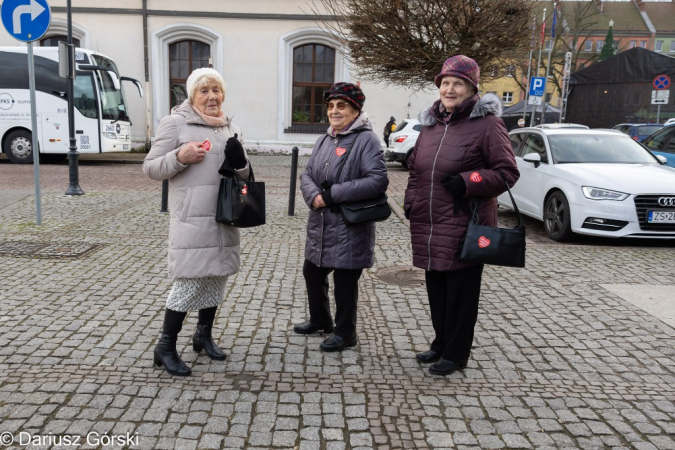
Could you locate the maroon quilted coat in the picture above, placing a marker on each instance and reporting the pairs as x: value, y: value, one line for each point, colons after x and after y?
x: 475, y: 145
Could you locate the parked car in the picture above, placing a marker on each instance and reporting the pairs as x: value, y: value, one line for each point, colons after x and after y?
x: 592, y: 182
x: 639, y: 131
x: 669, y: 121
x: 663, y: 143
x: 402, y: 141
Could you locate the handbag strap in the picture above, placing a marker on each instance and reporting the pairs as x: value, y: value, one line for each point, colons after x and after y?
x: 513, y: 202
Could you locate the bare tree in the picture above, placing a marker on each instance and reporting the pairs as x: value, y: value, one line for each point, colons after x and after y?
x: 405, y: 42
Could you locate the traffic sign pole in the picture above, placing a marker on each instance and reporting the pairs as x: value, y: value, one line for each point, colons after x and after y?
x: 34, y: 135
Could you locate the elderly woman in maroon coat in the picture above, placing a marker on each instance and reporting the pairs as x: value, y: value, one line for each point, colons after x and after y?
x: 462, y: 155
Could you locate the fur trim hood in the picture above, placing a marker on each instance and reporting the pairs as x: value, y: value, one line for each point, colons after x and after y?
x: 488, y: 104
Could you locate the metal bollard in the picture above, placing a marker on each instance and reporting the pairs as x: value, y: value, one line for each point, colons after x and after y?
x: 294, y: 176
x: 165, y: 196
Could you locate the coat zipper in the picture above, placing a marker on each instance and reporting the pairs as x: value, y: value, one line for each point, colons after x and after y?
x: 431, y: 197
x: 323, y: 209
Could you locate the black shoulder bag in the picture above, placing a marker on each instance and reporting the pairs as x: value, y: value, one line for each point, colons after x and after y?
x: 356, y: 213
x: 241, y: 204
x: 493, y: 245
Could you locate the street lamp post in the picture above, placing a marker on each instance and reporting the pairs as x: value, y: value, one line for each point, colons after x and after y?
x: 73, y: 175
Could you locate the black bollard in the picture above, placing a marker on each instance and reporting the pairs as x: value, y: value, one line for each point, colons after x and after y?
x: 294, y: 176
x: 165, y: 196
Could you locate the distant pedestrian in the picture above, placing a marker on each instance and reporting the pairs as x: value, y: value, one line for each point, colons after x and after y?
x: 331, y: 245
x: 463, y: 154
x: 388, y: 129
x: 190, y: 146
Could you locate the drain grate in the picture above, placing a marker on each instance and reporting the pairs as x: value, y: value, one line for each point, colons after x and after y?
x: 402, y: 275
x: 47, y: 249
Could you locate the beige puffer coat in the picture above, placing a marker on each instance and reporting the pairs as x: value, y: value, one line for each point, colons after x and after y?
x: 198, y: 245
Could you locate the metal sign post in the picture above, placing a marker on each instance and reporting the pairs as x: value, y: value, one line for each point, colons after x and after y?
x: 661, y: 93
x: 28, y: 23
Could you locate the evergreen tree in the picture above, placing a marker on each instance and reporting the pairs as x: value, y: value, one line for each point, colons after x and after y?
x: 608, y: 49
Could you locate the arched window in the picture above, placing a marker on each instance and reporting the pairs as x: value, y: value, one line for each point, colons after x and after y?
x: 184, y: 57
x: 313, y: 73
x: 53, y: 41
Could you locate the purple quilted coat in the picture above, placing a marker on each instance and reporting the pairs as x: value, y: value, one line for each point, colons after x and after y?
x: 475, y: 145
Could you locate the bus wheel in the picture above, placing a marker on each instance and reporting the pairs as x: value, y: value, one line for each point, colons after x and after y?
x: 18, y: 147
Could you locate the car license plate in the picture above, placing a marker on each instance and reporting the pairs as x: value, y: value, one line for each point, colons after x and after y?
x: 660, y: 216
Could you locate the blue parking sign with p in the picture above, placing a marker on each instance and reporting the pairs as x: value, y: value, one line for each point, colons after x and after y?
x: 537, y: 86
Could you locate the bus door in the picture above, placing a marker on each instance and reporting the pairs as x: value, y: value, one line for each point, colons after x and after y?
x: 87, y: 127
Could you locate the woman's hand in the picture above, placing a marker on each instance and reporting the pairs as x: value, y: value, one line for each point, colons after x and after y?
x: 318, y: 202
x: 191, y: 153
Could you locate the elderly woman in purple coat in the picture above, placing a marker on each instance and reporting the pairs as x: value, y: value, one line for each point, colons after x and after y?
x: 462, y: 154
x: 331, y: 245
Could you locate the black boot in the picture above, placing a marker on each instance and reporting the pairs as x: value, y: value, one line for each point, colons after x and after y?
x: 165, y: 352
x: 202, y: 339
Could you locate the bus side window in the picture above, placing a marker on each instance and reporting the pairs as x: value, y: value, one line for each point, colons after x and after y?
x: 84, y: 98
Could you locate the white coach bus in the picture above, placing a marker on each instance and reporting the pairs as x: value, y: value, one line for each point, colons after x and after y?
x: 101, y: 117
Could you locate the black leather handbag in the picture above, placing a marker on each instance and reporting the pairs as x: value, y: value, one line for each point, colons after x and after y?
x: 241, y: 204
x: 363, y: 211
x: 493, y: 245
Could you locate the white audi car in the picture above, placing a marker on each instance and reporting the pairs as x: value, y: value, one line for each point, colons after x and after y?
x: 592, y: 182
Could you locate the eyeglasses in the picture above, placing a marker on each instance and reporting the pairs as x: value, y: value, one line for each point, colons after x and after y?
x: 340, y: 106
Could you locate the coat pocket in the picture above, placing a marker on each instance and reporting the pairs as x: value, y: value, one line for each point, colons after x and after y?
x: 186, y: 205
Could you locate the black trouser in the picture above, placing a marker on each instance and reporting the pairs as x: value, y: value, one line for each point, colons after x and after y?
x: 453, y: 302
x: 346, y: 290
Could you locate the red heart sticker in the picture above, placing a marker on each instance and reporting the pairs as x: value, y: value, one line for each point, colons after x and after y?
x: 483, y: 242
x: 206, y: 145
x: 244, y: 190
x: 340, y: 151
x: 475, y: 177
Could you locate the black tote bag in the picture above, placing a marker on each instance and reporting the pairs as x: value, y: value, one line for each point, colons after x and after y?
x: 241, y: 204
x: 493, y: 245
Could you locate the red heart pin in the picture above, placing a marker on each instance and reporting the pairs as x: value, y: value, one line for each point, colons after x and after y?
x: 475, y: 177
x: 483, y: 242
x: 244, y: 190
x: 340, y: 151
x: 206, y: 145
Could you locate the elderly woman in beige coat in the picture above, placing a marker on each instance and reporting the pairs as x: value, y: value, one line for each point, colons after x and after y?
x: 191, y: 145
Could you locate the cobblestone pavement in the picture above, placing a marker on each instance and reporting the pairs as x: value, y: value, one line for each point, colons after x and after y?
x: 558, y: 361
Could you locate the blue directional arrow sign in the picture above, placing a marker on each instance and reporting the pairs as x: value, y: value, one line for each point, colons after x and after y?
x: 537, y: 86
x: 26, y: 20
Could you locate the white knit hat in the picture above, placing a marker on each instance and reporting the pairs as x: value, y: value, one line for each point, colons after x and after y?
x: 200, y: 73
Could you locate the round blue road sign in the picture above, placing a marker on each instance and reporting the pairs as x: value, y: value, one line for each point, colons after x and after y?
x: 26, y: 20
x: 662, y: 82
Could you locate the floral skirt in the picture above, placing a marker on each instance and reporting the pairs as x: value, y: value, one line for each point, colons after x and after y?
x: 189, y: 294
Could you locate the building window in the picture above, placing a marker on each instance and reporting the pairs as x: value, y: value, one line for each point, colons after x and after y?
x: 184, y: 57
x: 617, y: 44
x: 510, y: 70
x: 313, y: 73
x: 672, y: 46
x: 507, y: 97
x: 658, y: 46
x: 549, y: 44
x: 643, y: 44
x: 588, y: 46
x: 632, y: 44
x: 599, y: 44
x: 53, y: 41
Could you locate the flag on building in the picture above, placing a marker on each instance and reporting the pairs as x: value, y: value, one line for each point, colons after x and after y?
x: 543, y: 31
x: 553, y: 23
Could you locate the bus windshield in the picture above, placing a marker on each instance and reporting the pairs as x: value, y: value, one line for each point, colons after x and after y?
x: 112, y: 99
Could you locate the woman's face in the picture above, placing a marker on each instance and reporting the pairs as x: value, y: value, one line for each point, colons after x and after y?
x: 340, y: 113
x: 208, y: 99
x: 453, y: 91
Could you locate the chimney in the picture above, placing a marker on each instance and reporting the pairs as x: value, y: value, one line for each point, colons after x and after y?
x: 640, y: 4
x: 599, y: 5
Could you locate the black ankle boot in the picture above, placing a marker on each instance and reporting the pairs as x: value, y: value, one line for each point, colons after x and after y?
x: 202, y: 339
x: 165, y: 353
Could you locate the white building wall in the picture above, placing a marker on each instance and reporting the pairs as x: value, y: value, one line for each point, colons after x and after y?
x: 253, y: 55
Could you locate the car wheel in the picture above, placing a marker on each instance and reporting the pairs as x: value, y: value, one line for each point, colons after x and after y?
x: 557, y: 218
x: 19, y: 147
x: 404, y: 163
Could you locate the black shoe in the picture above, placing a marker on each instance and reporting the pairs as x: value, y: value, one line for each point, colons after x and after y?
x: 166, y: 355
x: 428, y: 357
x: 446, y: 367
x: 309, y: 328
x: 202, y: 340
x: 335, y: 343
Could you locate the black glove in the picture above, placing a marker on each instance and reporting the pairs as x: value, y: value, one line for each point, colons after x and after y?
x: 454, y: 184
x: 234, y: 153
x: 327, y: 198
